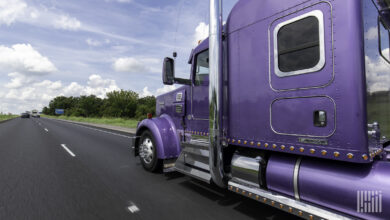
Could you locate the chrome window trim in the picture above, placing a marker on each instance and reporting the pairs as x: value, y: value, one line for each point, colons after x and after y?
x: 304, y: 135
x: 333, y: 52
x: 321, y: 63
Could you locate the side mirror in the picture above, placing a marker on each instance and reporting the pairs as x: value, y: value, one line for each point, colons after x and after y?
x: 384, y: 40
x: 168, y: 71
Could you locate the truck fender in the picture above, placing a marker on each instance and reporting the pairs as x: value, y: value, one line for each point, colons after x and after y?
x: 164, y: 132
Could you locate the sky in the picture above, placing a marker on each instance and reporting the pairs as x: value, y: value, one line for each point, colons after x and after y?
x: 50, y: 48
x: 377, y: 76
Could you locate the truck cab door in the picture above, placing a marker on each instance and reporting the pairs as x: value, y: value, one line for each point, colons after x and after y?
x: 200, y: 90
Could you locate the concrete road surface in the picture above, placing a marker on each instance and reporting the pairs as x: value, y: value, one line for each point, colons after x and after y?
x: 51, y: 169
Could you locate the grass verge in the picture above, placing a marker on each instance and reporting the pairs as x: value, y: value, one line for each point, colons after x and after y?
x: 126, y: 123
x: 6, y: 117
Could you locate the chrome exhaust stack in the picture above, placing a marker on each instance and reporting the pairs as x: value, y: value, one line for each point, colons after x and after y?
x: 215, y: 94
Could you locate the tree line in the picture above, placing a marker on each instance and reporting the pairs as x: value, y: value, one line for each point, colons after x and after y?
x: 118, y: 104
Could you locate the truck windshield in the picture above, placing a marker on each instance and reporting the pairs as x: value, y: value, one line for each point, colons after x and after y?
x: 377, y: 57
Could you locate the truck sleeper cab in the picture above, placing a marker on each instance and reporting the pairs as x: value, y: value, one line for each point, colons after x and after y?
x: 304, y: 108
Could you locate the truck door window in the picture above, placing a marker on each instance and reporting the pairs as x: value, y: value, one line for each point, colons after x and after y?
x: 202, y: 68
x: 299, y: 45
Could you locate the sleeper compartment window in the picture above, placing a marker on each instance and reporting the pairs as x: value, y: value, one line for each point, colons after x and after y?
x: 299, y: 45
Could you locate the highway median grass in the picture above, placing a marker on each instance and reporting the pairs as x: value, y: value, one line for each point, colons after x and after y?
x: 121, y: 122
x: 6, y: 117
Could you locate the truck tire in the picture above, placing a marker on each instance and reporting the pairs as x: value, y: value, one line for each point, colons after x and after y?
x: 148, y: 152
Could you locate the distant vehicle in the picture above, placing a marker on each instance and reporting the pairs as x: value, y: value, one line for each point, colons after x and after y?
x: 25, y: 115
x: 35, y: 114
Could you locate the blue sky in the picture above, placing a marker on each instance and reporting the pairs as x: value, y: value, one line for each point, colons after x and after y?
x: 81, y: 47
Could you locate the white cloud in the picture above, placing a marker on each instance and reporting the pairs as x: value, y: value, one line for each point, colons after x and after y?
x: 94, y: 43
x: 67, y: 23
x: 29, y: 93
x: 378, y: 77
x: 17, y: 80
x: 165, y: 89
x: 120, y: 1
x: 11, y: 10
x: 99, y: 86
x: 371, y: 34
x: 201, y: 33
x: 24, y: 58
x: 145, y: 92
x: 135, y: 65
x: 96, y: 85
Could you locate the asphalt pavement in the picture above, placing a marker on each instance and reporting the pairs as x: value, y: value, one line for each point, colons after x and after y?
x: 52, y: 169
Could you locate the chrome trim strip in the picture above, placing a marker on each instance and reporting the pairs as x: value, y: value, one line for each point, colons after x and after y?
x: 296, y: 178
x: 215, y: 93
x: 303, y: 135
x: 333, y: 53
x: 321, y: 63
x: 320, y: 213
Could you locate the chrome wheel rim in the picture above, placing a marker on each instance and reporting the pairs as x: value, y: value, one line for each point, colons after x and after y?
x: 146, y: 151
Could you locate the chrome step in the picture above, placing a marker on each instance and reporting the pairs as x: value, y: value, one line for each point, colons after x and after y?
x: 196, y: 153
x: 292, y: 206
x: 191, y: 170
x: 194, y: 159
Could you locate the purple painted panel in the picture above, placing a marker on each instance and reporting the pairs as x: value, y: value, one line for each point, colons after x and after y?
x: 300, y: 113
x: 165, y: 104
x: 164, y: 132
x: 314, y: 79
x: 339, y: 186
x: 200, y: 100
x: 250, y: 93
x: 256, y: 11
x: 280, y: 173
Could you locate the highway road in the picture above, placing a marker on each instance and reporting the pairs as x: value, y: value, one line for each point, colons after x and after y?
x: 51, y: 169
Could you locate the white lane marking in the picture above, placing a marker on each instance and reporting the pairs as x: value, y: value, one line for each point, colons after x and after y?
x: 67, y: 149
x: 108, y: 132
x: 46, y: 130
x: 133, y: 208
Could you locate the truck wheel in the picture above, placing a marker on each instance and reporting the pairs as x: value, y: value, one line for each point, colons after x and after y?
x: 148, y: 152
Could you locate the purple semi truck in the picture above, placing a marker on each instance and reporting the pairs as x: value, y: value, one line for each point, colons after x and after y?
x: 288, y: 103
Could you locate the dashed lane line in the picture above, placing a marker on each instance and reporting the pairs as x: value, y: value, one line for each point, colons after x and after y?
x: 133, y: 208
x: 69, y: 151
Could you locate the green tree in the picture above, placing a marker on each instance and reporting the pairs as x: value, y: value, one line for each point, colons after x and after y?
x: 88, y: 106
x: 121, y: 104
x: 61, y: 102
x: 46, y: 110
x: 146, y: 105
